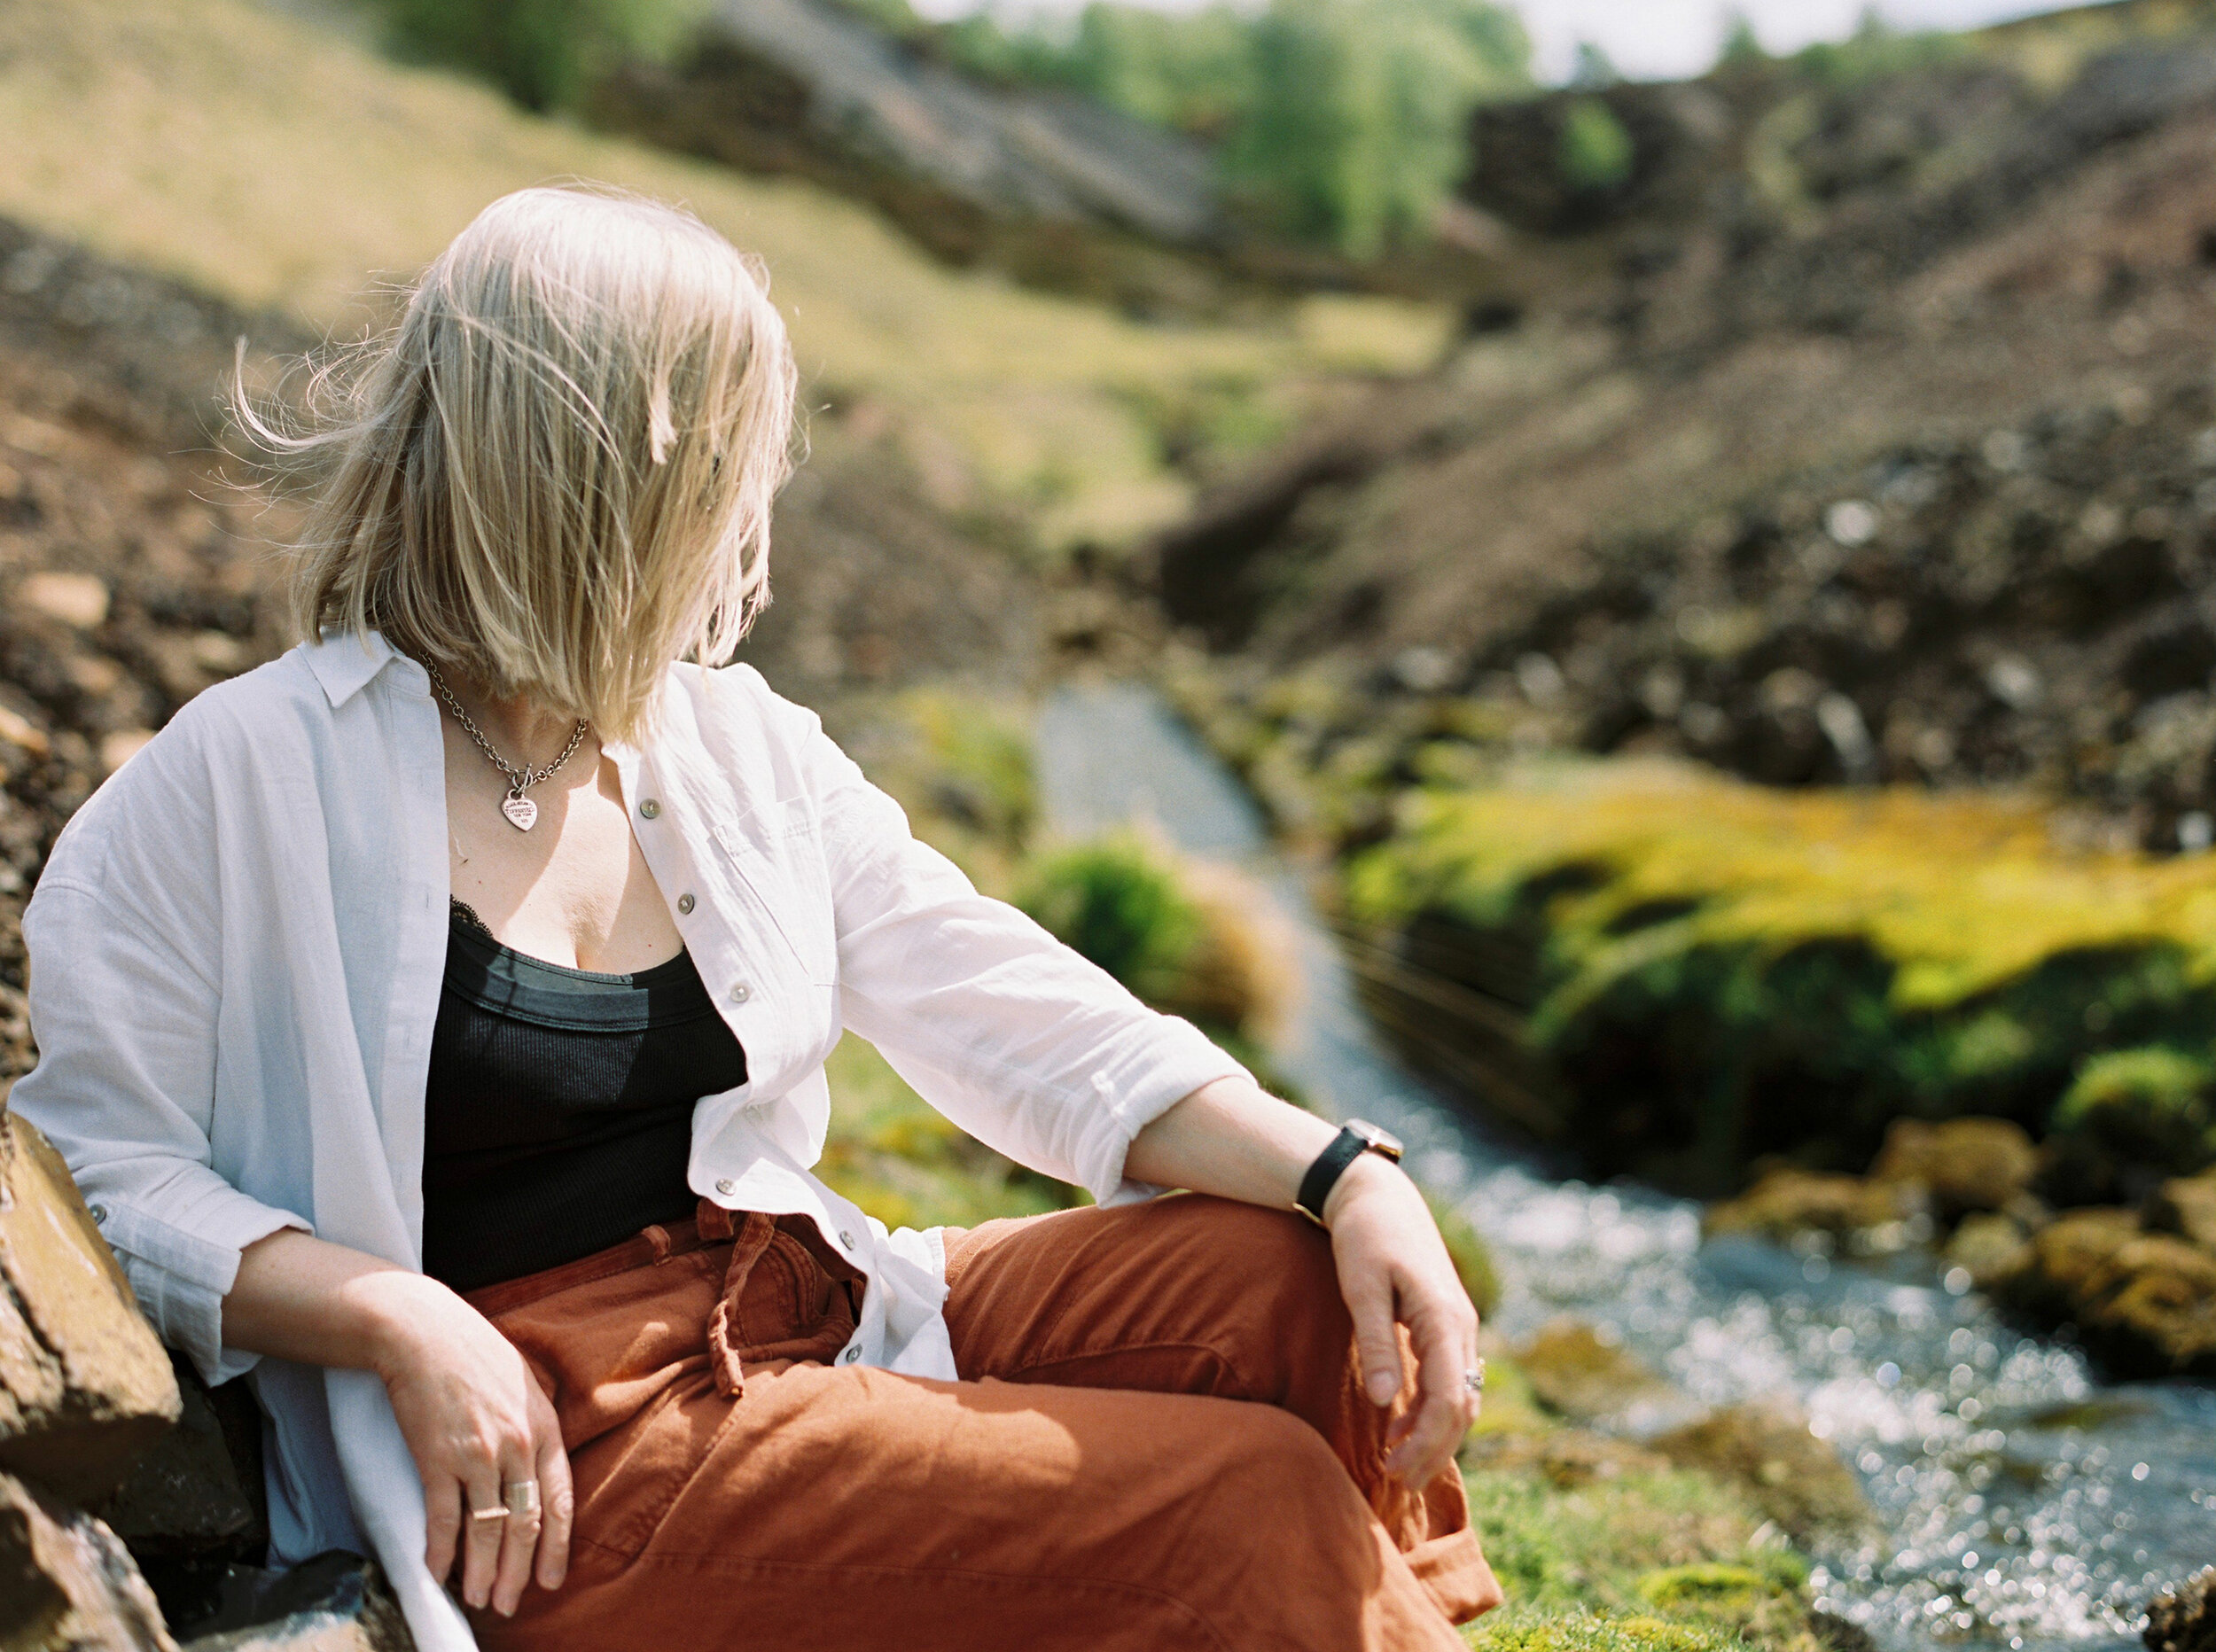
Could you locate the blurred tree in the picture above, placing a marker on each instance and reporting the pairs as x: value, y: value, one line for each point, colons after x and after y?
x: 1340, y: 121
x: 1357, y: 127
x: 1594, y: 152
x: 543, y: 53
x: 1594, y: 68
x: 1741, y: 44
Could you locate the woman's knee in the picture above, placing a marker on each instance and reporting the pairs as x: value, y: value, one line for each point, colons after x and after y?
x: 1280, y: 1262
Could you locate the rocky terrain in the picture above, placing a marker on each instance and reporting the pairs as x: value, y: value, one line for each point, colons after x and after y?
x: 1855, y: 435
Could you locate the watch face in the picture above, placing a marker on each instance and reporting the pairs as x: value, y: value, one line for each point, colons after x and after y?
x: 1380, y: 1141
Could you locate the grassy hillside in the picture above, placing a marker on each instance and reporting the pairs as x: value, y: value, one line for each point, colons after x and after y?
x: 278, y: 165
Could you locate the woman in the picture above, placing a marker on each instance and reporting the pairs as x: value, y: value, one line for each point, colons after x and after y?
x: 435, y: 1019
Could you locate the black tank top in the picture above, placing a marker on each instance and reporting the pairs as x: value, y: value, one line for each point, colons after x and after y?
x: 558, y: 1117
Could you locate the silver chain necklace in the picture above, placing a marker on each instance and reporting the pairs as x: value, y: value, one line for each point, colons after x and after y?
x: 521, y: 812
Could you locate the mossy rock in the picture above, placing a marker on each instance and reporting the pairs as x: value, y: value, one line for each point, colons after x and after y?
x: 1582, y: 1373
x: 1787, y: 1200
x: 2186, y: 1206
x: 1726, y: 973
x: 1563, y: 1456
x: 1961, y: 1165
x: 1992, y: 1248
x: 1796, y: 1479
x: 2130, y: 1116
x: 2143, y: 1303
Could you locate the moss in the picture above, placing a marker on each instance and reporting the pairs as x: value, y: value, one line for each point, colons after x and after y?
x: 1727, y: 971
x: 1581, y: 1631
x: 1118, y: 902
x: 1685, y: 1559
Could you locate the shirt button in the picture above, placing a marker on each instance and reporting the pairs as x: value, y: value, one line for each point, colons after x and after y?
x: 852, y: 1354
x: 100, y: 1213
x: 724, y: 1185
x: 685, y: 903
x: 741, y: 993
x: 648, y: 807
x: 845, y: 1239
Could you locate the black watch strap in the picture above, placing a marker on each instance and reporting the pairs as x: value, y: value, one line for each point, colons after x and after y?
x: 1347, y: 1146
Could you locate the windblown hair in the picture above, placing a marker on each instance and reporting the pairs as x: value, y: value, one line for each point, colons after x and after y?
x: 554, y: 474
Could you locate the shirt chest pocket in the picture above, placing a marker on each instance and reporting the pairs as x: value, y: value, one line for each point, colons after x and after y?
x: 779, y: 853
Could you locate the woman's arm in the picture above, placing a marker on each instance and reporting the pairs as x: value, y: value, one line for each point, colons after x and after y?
x: 472, y: 1413
x: 1231, y: 1139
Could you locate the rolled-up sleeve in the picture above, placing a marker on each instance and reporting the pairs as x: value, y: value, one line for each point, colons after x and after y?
x: 124, y: 1010
x: 1020, y: 1040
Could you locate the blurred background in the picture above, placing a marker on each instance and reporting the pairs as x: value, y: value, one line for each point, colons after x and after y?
x: 1629, y: 589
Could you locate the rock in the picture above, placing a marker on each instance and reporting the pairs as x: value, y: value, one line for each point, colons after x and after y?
x: 2185, y: 1205
x: 2144, y: 1303
x: 85, y: 1387
x: 1795, y: 1479
x: 1575, y: 1370
x: 197, y: 1495
x: 66, y: 1584
x: 1963, y: 1165
x: 1991, y: 1247
x: 1835, y: 1633
x: 336, y: 1602
x: 1788, y: 1201
x: 2064, y: 1255
x: 2183, y: 1618
x: 2151, y: 1309
x: 76, y: 599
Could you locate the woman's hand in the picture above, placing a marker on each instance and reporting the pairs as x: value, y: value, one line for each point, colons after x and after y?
x: 1228, y: 1138
x: 471, y: 1411
x: 1393, y: 1269
x: 477, y: 1422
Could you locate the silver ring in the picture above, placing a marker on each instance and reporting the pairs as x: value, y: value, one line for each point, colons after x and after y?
x: 1473, y: 1379
x: 522, y: 1497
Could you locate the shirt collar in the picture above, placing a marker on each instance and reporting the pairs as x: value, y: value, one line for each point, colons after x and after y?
x: 345, y: 662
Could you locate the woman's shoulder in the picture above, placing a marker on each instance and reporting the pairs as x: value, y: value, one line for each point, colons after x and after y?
x: 728, y: 703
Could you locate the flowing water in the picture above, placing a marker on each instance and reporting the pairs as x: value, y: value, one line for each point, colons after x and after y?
x: 2025, y: 1503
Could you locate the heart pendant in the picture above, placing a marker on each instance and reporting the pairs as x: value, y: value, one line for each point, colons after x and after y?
x: 521, y: 812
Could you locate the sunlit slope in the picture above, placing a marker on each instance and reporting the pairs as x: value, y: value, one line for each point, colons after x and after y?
x: 281, y: 164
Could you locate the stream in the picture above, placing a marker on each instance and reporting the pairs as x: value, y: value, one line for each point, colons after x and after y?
x: 2025, y: 1503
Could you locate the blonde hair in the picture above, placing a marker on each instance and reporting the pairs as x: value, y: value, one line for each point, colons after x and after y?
x: 555, y: 473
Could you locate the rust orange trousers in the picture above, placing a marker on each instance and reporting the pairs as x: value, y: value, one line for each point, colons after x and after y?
x: 1159, y: 1442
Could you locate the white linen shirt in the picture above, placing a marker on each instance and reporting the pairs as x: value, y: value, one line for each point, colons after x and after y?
x: 237, y: 951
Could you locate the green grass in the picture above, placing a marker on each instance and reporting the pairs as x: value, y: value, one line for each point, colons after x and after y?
x: 284, y: 165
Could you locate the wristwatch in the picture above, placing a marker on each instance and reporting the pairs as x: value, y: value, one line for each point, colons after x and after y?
x: 1356, y: 1137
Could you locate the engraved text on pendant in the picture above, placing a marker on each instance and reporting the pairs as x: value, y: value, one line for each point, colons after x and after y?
x: 521, y: 812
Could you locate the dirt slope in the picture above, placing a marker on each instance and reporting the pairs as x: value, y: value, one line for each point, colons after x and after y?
x: 1616, y: 519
